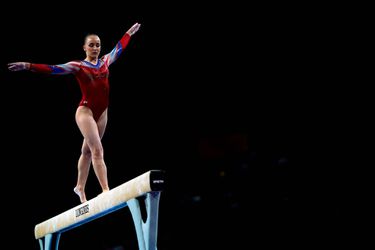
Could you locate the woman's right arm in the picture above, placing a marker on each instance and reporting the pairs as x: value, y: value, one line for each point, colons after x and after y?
x: 59, y: 69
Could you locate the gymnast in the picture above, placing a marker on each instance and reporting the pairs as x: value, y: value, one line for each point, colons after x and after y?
x: 91, y: 114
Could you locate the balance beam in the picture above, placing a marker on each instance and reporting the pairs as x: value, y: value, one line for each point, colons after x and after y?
x: 149, y: 184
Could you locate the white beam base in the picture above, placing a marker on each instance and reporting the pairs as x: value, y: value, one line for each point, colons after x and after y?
x: 148, y: 185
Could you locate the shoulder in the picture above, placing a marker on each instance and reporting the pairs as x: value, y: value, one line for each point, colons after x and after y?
x: 75, y: 63
x: 103, y: 60
x: 72, y: 66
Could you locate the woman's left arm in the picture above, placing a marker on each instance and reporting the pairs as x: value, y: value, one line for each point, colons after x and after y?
x: 121, y: 45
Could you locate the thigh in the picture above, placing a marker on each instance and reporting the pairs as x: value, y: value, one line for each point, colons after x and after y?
x: 87, y: 125
x: 102, y: 123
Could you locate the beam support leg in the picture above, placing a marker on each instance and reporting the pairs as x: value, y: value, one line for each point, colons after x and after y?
x: 146, y: 231
x: 48, y: 241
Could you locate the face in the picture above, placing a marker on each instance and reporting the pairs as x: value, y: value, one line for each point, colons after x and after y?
x: 92, y: 46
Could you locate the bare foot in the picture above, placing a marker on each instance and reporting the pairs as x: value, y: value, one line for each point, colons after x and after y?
x: 104, y: 191
x: 81, y: 195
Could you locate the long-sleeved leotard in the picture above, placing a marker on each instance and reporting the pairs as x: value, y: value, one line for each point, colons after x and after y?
x: 92, y: 79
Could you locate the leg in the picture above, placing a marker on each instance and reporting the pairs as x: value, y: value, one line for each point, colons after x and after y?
x: 84, y: 163
x: 92, y: 132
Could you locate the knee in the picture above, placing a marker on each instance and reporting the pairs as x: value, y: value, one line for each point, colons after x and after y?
x: 86, y: 152
x: 97, y: 152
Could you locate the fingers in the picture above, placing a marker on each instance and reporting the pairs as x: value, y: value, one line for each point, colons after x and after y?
x: 17, y: 66
x: 137, y: 26
x: 12, y: 66
x: 134, y: 28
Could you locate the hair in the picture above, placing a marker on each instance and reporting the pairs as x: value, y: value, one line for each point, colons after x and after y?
x: 87, y: 35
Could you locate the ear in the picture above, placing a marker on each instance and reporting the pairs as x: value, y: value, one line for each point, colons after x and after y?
x: 84, y: 47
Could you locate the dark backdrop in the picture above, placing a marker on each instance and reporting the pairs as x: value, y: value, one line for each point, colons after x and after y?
x: 224, y: 98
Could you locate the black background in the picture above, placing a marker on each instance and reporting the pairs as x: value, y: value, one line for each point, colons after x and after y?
x: 229, y: 100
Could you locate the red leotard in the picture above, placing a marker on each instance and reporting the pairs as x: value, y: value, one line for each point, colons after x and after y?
x: 92, y: 79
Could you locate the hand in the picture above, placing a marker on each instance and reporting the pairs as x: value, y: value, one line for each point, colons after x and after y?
x: 17, y: 66
x: 133, y: 29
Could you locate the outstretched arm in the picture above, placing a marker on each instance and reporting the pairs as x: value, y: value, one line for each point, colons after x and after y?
x: 60, y: 69
x: 121, y: 45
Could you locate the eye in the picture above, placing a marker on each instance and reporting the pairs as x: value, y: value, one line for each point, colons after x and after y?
x: 91, y: 45
x: 98, y: 45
